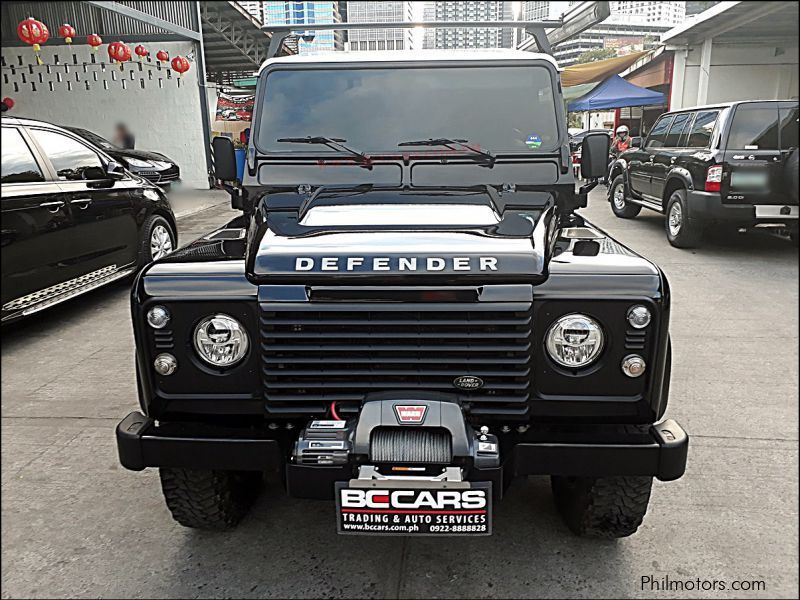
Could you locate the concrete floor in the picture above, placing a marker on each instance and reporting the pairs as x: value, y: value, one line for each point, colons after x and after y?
x: 76, y: 524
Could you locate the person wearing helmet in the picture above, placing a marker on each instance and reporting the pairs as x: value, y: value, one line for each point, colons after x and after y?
x: 621, y: 141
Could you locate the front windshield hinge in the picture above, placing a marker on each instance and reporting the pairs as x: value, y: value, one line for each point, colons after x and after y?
x: 304, y: 188
x: 508, y: 187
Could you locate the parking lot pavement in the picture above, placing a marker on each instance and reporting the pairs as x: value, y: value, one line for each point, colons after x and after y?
x: 186, y: 202
x: 76, y: 524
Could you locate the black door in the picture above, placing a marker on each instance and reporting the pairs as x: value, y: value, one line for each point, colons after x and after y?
x: 36, y: 226
x: 752, y: 164
x: 106, y: 233
x: 641, y: 171
x: 664, y: 158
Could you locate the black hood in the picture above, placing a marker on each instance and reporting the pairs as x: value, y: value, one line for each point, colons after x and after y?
x: 122, y: 153
x: 409, y: 242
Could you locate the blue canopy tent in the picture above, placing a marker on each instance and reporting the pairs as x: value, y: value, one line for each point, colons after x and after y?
x: 615, y: 92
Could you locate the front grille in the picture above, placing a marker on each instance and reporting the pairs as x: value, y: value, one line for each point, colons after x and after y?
x: 317, y: 353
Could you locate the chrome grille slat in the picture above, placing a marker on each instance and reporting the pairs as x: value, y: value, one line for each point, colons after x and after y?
x: 314, y: 353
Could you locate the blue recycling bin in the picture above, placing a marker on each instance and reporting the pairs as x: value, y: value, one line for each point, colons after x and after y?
x: 240, y: 160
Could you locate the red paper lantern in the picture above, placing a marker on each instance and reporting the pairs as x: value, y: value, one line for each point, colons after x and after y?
x: 94, y: 41
x: 180, y: 64
x: 119, y: 52
x: 34, y: 33
x: 68, y: 32
x: 162, y: 55
x: 8, y: 102
x: 141, y: 51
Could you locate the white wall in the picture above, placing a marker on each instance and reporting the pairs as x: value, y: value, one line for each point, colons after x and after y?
x: 162, y: 111
x: 739, y: 72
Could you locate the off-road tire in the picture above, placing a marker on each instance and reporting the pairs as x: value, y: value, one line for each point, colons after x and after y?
x: 689, y: 232
x: 604, y: 507
x: 209, y: 499
x: 629, y: 210
x: 145, y: 256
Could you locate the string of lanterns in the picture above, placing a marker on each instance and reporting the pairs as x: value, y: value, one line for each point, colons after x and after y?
x: 35, y: 33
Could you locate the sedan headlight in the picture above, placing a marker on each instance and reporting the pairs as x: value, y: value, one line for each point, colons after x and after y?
x: 574, y: 341
x: 220, y: 340
x: 141, y: 164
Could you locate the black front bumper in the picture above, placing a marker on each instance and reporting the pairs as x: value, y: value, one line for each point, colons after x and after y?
x: 659, y: 451
x: 142, y: 444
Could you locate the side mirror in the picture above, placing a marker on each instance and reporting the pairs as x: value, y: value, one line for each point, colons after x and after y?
x: 224, y: 159
x: 636, y: 142
x: 114, y: 170
x: 594, y: 155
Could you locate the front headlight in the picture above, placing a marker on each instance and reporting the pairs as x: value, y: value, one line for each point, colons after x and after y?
x: 574, y: 341
x: 220, y: 340
x: 135, y: 162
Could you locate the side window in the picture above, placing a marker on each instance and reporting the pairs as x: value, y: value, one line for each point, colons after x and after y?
x: 658, y: 133
x: 676, y: 129
x: 789, y: 127
x: 754, y: 127
x: 702, y: 128
x: 71, y: 159
x: 19, y: 166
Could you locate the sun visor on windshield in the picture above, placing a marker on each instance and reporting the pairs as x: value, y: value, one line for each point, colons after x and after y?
x: 467, y: 174
x: 311, y: 173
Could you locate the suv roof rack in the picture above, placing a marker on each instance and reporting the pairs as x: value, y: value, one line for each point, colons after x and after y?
x: 573, y: 22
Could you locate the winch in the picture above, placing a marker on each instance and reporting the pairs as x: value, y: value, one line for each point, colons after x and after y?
x: 402, y: 435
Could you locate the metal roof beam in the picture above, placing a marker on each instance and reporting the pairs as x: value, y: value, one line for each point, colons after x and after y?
x: 138, y: 15
x: 238, y: 38
x: 411, y: 24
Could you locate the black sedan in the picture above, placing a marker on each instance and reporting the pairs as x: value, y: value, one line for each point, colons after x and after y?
x: 153, y: 166
x: 73, y: 218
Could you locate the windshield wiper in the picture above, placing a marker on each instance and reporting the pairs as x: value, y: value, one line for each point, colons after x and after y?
x: 334, y: 143
x: 450, y: 143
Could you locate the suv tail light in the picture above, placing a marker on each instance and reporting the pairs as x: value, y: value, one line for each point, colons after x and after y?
x: 714, y: 178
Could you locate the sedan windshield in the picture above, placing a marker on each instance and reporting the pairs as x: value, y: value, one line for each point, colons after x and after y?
x: 504, y: 109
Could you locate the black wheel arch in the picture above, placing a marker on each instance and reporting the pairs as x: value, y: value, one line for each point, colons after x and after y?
x: 677, y: 178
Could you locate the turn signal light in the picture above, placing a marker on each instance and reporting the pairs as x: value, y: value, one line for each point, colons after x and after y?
x: 714, y: 178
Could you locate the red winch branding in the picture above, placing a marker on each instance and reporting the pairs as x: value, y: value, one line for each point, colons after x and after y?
x: 413, y: 415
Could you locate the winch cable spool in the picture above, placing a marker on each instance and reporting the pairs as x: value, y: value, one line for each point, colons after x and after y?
x: 404, y: 445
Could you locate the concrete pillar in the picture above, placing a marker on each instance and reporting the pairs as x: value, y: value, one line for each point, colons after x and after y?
x: 678, y: 81
x: 705, y: 72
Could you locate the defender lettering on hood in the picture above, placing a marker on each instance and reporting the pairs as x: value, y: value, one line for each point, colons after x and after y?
x: 400, y: 263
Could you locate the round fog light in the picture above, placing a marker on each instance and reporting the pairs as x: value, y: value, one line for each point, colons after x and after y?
x: 165, y: 364
x: 639, y: 317
x: 158, y: 317
x: 633, y: 365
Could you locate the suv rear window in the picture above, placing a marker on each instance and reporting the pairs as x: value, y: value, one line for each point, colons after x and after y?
x: 676, y: 129
x: 702, y: 128
x: 754, y: 127
x: 789, y: 127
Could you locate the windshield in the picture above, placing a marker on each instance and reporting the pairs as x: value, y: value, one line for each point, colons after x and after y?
x: 500, y: 109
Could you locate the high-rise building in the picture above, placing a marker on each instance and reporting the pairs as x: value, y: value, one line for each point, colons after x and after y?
x: 656, y: 13
x: 695, y: 8
x: 472, y: 37
x: 256, y: 9
x: 379, y: 39
x: 631, y: 27
x: 535, y: 11
x: 308, y: 13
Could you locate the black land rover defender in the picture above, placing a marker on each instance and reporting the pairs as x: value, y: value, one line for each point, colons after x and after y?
x: 409, y: 313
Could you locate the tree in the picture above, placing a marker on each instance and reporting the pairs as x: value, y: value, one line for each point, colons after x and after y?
x: 596, y: 54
